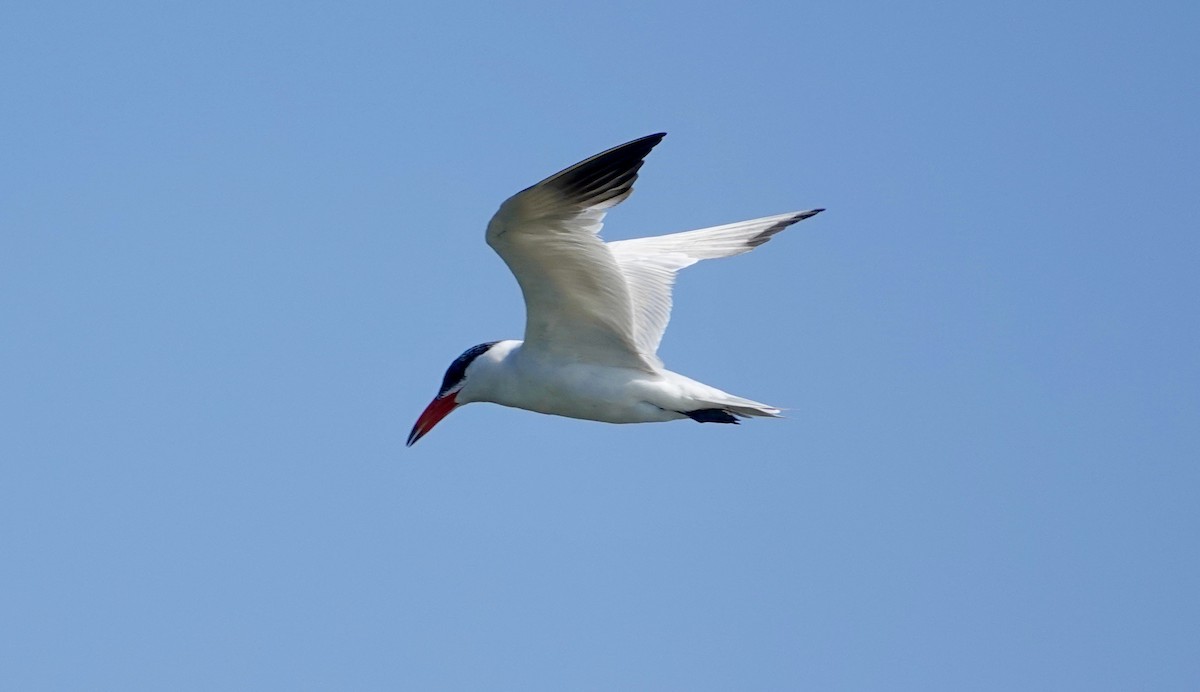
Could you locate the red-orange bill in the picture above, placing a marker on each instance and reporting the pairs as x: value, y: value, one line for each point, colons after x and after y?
x: 437, y: 409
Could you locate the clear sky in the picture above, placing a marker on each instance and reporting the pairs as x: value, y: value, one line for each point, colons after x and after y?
x: 241, y: 242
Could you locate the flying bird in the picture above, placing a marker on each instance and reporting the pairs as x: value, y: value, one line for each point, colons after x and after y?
x: 595, y: 312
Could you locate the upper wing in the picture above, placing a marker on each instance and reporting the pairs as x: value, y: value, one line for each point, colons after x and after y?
x: 577, y: 303
x: 650, y: 265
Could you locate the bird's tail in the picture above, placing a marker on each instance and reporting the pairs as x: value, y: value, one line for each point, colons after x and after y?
x: 703, y: 397
x: 745, y: 408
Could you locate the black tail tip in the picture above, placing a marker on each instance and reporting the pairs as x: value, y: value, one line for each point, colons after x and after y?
x: 711, y: 415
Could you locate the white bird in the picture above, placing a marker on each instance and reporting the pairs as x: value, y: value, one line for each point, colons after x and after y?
x: 595, y: 311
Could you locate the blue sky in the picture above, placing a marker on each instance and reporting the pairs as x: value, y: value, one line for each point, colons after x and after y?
x: 240, y: 244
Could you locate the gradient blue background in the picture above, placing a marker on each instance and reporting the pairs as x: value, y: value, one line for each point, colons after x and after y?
x: 240, y: 243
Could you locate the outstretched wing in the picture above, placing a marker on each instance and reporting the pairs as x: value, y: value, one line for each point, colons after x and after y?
x: 577, y: 302
x: 650, y: 265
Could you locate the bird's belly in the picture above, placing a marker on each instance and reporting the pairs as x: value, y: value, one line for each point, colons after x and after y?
x: 592, y: 393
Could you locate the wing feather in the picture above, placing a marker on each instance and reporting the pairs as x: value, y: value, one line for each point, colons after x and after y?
x: 650, y: 265
x: 577, y: 302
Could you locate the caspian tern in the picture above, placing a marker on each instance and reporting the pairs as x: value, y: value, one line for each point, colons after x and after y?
x: 595, y: 312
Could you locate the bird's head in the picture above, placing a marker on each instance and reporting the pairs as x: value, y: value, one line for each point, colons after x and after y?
x: 448, y: 396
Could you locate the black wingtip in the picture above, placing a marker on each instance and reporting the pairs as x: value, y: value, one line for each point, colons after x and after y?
x: 607, y: 176
x: 770, y: 231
